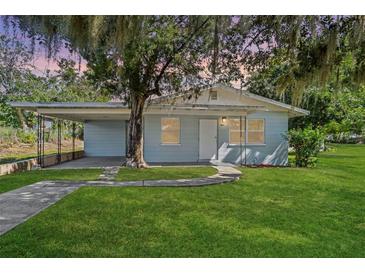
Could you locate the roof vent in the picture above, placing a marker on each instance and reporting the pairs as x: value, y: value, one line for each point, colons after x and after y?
x: 213, y: 95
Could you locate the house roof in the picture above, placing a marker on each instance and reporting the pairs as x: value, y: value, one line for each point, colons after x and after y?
x: 81, y: 111
x: 291, y: 108
x: 295, y: 111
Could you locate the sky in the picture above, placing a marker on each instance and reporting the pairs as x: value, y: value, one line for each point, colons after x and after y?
x: 41, y: 63
x: 40, y: 60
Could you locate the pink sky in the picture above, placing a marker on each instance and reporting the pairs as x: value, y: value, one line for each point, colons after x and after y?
x: 41, y: 62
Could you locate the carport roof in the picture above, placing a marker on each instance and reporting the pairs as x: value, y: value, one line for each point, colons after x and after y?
x: 116, y: 111
x: 34, y: 106
x: 82, y: 111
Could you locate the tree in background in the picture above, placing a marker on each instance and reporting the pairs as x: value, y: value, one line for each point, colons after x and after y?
x: 15, y: 70
x: 334, y: 96
x: 18, y: 82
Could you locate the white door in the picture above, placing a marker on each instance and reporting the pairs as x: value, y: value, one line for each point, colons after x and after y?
x: 207, y: 139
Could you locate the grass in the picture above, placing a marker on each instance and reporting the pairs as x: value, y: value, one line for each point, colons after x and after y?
x: 159, y: 173
x: 269, y: 212
x: 17, y: 152
x: 16, y: 180
x: 15, y: 157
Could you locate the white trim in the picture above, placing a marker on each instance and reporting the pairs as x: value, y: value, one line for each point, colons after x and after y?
x: 177, y: 144
x: 264, y: 99
x: 248, y: 145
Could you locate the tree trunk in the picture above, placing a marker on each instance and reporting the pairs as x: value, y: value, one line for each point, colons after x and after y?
x: 22, y: 120
x: 135, y: 133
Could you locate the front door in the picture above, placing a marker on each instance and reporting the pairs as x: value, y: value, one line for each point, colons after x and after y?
x: 207, y: 139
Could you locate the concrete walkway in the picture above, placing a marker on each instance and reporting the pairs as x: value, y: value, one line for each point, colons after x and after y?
x: 19, y: 205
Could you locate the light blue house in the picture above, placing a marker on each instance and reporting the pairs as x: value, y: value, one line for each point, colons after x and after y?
x: 222, y: 124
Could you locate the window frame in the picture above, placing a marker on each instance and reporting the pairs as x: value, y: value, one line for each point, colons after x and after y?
x: 263, y: 131
x: 162, y: 132
x: 236, y: 130
x: 245, y: 131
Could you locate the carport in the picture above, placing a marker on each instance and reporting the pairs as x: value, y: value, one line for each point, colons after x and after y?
x: 105, y: 132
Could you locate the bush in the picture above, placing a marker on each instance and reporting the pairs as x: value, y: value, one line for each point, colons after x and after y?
x: 7, y: 135
x: 27, y: 137
x: 306, y: 144
x: 11, y: 136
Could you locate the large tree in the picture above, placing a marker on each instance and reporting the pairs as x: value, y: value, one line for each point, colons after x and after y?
x: 152, y: 55
x: 155, y: 55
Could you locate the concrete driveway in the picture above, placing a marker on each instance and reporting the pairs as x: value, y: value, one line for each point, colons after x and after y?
x: 90, y: 162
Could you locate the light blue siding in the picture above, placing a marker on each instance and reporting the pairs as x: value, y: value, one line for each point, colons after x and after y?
x: 273, y: 152
x: 107, y: 138
x: 186, y: 151
x: 104, y: 138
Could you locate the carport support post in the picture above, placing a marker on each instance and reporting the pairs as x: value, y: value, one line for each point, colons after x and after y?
x: 39, y: 140
x: 42, y: 140
x: 241, y: 139
x: 246, y: 140
x: 73, y: 139
x: 59, y: 141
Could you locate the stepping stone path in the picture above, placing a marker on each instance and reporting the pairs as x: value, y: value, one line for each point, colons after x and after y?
x: 109, y: 173
x: 19, y: 205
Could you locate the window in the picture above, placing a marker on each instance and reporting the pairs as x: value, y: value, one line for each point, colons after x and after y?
x: 255, y: 131
x: 213, y: 95
x: 235, y: 133
x: 170, y: 131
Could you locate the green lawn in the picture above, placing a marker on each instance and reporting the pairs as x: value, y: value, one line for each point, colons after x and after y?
x: 159, y: 173
x: 16, y: 180
x: 269, y: 212
x: 16, y: 156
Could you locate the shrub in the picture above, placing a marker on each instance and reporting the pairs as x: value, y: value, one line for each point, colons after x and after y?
x: 7, y: 135
x: 306, y: 144
x: 27, y: 137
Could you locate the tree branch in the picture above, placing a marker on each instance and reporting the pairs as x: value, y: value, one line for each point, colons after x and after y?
x: 176, y: 51
x: 254, y: 38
